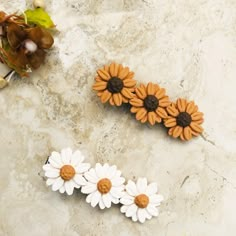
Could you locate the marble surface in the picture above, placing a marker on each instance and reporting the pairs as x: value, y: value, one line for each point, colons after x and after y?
x: 187, y: 46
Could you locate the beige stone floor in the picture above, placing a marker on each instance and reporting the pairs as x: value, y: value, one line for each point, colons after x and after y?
x: 187, y: 46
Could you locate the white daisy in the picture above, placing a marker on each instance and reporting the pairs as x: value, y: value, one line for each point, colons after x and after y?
x: 65, y: 170
x: 140, y: 200
x: 104, y: 185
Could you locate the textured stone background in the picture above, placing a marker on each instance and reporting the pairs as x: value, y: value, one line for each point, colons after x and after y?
x: 187, y: 46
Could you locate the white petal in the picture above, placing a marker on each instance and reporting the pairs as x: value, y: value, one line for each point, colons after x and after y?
x: 117, y: 192
x: 57, y: 184
x: 134, y: 217
x: 156, y: 199
x: 152, y: 210
x: 91, y: 176
x: 114, y: 199
x: 131, y: 188
x: 151, y: 189
x: 117, y: 174
x: 106, y: 200
x: 81, y: 168
x: 142, y: 185
x: 55, y: 160
x: 89, y: 188
x: 69, y: 186
x: 77, y: 158
x: 111, y: 172
x: 79, y: 179
x: 66, y: 155
x: 48, y: 167
x: 50, y: 181
x: 105, y: 167
x: 101, y: 204
x: 118, y: 181
x: 126, y: 201
x: 96, y: 198
x: 131, y: 210
x: 89, y: 197
x: 52, y: 174
x: 62, y: 189
x: 124, y: 208
x: 141, y: 215
x: 99, y: 170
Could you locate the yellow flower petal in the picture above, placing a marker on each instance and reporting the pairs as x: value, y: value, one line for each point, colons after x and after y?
x: 129, y: 83
x: 114, y: 69
x: 100, y: 86
x: 177, y: 131
x: 170, y: 122
x: 103, y: 74
x: 123, y: 73
x: 106, y: 95
x: 181, y: 104
x: 187, y: 133
x: 141, y: 113
x: 151, y: 117
x: 126, y: 92
x: 117, y: 99
x: 151, y: 89
x: 172, y: 110
x: 161, y: 112
x: 136, y: 102
x: 141, y: 93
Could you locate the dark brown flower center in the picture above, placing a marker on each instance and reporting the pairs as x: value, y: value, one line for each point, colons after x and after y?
x: 115, y: 85
x: 151, y: 103
x: 183, y: 119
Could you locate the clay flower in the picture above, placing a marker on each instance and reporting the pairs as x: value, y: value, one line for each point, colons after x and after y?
x: 184, y: 119
x: 104, y: 185
x: 65, y: 170
x: 149, y: 103
x: 140, y: 200
x: 27, y: 45
x: 115, y: 84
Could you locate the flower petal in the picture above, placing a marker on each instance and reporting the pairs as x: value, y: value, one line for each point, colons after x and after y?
x: 123, y: 73
x: 190, y: 107
x: 132, y: 210
x: 142, y: 185
x: 62, y: 189
x: 164, y: 102
x: 187, y: 133
x: 126, y: 92
x: 177, y: 131
x: 129, y: 83
x: 181, y: 104
x: 52, y: 173
x: 50, y: 181
x: 99, y: 86
x: 117, y: 192
x: 101, y: 204
x: 66, y: 155
x: 152, y: 210
x: 106, y: 200
x: 156, y: 199
x: 172, y: 110
x: 117, y: 99
x: 196, y: 127
x: 55, y: 160
x: 170, y: 122
x: 57, y: 184
x: 104, y: 74
x: 114, y: 69
x: 131, y: 188
x: 77, y: 158
x: 136, y: 102
x: 81, y: 168
x: 197, y: 116
x: 111, y: 172
x: 161, y: 112
x: 99, y: 170
x: 69, y: 186
x: 141, y: 92
x: 160, y: 93
x: 141, y: 113
x: 151, y: 117
x: 151, y: 189
x: 79, y: 179
x: 106, y: 95
x: 91, y: 176
x: 124, y: 208
x: 96, y: 198
x: 141, y: 215
x: 118, y: 181
x: 151, y: 89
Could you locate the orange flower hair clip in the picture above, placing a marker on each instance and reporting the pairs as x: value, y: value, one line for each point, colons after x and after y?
x: 115, y: 84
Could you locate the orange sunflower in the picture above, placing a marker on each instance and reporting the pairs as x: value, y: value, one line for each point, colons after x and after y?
x: 115, y: 84
x: 184, y: 119
x: 149, y: 103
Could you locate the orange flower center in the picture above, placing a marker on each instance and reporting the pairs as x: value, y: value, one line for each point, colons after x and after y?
x: 183, y: 119
x: 141, y: 200
x: 67, y: 172
x: 151, y: 103
x: 115, y: 85
x: 104, y: 185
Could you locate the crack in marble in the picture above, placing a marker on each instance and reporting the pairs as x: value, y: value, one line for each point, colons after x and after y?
x: 207, y: 140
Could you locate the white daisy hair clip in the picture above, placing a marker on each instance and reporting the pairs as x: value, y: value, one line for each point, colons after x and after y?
x: 103, y: 185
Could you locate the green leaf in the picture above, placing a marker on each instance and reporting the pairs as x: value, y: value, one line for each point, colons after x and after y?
x: 39, y: 17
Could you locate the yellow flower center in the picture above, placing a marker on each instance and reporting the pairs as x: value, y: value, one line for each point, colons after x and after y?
x: 104, y: 185
x: 67, y: 172
x: 141, y: 200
